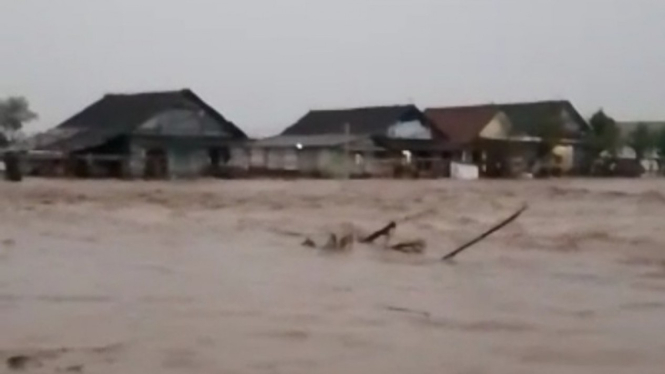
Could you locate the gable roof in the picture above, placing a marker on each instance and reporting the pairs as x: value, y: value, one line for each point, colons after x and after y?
x: 115, y: 115
x: 362, y: 121
x: 526, y: 117
x: 461, y: 124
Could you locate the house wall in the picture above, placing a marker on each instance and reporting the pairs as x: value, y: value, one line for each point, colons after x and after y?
x: 182, y: 161
x: 258, y: 157
x: 240, y: 157
x: 497, y: 128
x: 136, y: 163
x: 281, y: 159
x: 187, y: 162
x: 567, y: 155
x: 409, y: 130
x: 376, y: 167
x: 308, y: 160
x: 333, y: 162
x: 290, y: 159
x: 326, y: 162
x: 187, y: 137
x: 274, y: 159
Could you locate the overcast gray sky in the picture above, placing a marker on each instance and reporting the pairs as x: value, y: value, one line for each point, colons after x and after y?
x: 264, y: 63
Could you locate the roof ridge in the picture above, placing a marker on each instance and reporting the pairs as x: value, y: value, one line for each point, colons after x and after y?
x: 536, y: 102
x: 499, y: 105
x: 148, y: 93
x: 349, y: 109
x: 460, y: 107
x: 643, y: 121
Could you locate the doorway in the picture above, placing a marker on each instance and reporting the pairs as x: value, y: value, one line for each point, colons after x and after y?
x: 156, y: 164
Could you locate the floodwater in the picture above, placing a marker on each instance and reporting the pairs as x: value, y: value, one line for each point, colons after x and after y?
x: 210, y: 277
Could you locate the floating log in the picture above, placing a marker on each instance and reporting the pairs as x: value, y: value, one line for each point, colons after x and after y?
x: 408, y: 310
x: 412, y: 247
x: 309, y: 243
x: 346, y: 242
x: 489, y: 232
x: 339, y: 244
x: 383, y: 232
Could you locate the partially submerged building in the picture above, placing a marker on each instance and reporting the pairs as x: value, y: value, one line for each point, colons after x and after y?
x: 509, y: 139
x: 651, y: 160
x: 147, y: 135
x: 359, y: 142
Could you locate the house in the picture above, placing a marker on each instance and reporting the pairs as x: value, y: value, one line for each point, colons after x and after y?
x: 147, y: 135
x: 651, y: 159
x: 477, y: 130
x: 509, y: 139
x: 375, y: 141
x: 313, y: 155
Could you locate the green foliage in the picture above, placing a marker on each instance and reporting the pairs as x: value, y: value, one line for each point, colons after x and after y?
x: 605, y: 135
x: 659, y: 143
x: 641, y: 140
x: 14, y: 113
x: 550, y: 131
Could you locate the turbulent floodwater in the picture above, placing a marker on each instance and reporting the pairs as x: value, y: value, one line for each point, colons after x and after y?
x: 210, y: 277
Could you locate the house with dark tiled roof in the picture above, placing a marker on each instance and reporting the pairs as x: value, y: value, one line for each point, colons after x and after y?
x: 152, y: 135
x: 368, y: 141
x: 505, y: 139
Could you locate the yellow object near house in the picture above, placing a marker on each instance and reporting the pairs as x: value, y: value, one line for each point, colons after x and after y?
x: 564, y: 157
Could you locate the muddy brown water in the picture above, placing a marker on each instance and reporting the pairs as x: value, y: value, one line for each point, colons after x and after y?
x: 95, y: 277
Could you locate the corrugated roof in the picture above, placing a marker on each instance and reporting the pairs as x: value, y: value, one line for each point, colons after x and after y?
x: 291, y: 141
x: 415, y: 145
x: 118, y: 115
x: 362, y: 121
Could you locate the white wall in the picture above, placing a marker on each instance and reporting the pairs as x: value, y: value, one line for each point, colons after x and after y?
x: 497, y: 128
x: 409, y: 130
x: 240, y: 157
x: 257, y: 158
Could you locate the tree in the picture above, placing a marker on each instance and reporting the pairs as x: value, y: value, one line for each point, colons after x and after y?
x: 14, y: 113
x: 550, y: 131
x: 605, y: 135
x: 640, y: 140
x: 660, y: 144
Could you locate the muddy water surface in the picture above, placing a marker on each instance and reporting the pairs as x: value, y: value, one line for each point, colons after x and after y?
x: 210, y: 278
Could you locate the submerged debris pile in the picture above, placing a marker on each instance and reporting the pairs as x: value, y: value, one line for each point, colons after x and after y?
x: 341, y: 242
